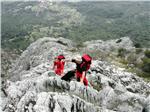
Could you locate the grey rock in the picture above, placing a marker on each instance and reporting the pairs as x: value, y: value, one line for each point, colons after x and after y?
x: 110, y: 45
x: 41, y: 51
x: 37, y: 88
x: 147, y: 105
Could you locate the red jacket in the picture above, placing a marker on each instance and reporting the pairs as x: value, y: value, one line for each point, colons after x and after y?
x: 59, y: 67
x: 79, y: 75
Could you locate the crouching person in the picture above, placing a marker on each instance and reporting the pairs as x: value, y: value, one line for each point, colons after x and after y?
x: 82, y: 66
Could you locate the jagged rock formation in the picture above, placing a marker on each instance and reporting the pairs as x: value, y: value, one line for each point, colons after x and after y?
x: 110, y: 45
x: 45, y: 49
x: 37, y: 89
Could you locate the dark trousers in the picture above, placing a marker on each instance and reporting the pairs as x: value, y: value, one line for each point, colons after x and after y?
x: 69, y: 75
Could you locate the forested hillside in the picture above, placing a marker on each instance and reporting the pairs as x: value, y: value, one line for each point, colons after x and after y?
x: 25, y: 22
x: 109, y: 20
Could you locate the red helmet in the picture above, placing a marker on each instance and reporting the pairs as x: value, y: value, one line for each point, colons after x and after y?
x: 60, y: 57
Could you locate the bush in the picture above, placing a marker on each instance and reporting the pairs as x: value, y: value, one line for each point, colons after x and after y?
x: 123, y: 61
x: 132, y: 59
x: 137, y: 45
x: 145, y: 75
x: 147, y: 53
x: 121, y: 52
x: 146, y: 65
x: 138, y: 50
x: 80, y: 45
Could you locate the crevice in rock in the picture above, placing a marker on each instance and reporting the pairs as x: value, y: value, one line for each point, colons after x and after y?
x: 51, y: 104
x: 26, y: 108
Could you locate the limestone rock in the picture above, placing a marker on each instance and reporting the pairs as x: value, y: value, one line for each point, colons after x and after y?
x: 43, y: 50
x: 110, y: 45
x: 36, y: 88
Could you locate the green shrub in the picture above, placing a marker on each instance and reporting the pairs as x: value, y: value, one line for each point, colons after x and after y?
x: 80, y: 45
x: 146, y: 65
x: 123, y: 61
x: 137, y: 45
x: 132, y: 59
x: 138, y: 50
x: 147, y: 53
x: 121, y: 52
x: 144, y: 75
x: 98, y: 87
x: 73, y: 50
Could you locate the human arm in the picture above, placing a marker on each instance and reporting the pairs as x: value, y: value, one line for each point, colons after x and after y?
x: 67, y: 60
x: 75, y: 61
x: 54, y: 65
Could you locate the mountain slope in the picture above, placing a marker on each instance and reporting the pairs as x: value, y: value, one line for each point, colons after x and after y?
x: 25, y: 22
x: 35, y: 87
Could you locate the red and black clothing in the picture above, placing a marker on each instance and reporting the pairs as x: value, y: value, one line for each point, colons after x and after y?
x: 80, y: 68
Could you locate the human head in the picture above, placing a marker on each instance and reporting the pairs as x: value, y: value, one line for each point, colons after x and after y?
x: 78, y: 57
x: 60, y: 57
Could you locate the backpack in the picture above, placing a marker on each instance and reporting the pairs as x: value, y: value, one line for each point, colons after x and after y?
x: 86, y: 61
x: 86, y: 58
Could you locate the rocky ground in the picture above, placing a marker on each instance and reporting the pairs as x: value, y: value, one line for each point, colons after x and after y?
x: 33, y: 86
x: 7, y: 58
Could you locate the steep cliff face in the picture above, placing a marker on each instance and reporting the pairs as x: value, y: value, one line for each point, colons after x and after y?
x: 34, y: 87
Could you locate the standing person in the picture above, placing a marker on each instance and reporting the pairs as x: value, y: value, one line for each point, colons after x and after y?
x: 81, y: 68
x: 58, y: 66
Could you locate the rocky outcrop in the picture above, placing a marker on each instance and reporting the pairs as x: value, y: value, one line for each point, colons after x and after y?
x: 7, y: 58
x: 110, y: 45
x: 110, y: 89
x: 43, y: 50
x: 40, y: 84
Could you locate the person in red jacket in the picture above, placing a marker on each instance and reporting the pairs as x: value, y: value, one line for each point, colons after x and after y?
x: 58, y: 66
x: 81, y: 68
